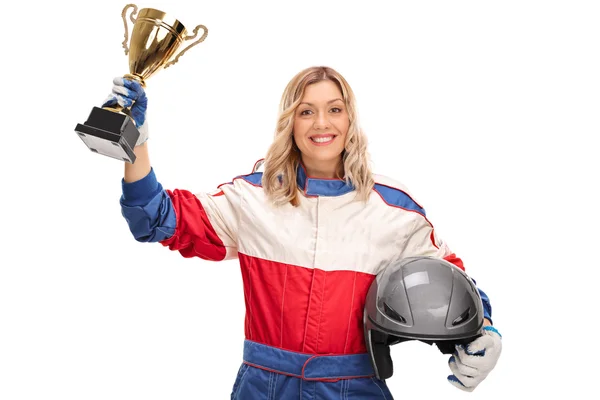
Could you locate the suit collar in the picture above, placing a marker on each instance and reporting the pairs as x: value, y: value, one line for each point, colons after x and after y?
x: 312, y: 187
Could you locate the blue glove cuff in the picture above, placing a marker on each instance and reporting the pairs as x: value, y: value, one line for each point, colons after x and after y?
x: 491, y: 328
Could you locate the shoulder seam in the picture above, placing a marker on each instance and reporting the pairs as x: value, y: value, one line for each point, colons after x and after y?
x: 243, y: 177
x: 397, y: 189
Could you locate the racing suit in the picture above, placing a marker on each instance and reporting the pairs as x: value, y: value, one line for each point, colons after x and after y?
x: 306, y: 271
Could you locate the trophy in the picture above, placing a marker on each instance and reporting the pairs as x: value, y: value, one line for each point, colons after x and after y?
x: 155, y: 38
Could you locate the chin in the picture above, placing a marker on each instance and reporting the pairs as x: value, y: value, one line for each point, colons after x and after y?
x: 327, y: 157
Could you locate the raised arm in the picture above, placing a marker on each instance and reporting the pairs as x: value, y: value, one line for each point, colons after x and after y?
x: 197, y: 225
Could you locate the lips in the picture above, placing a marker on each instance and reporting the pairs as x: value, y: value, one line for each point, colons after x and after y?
x: 323, y: 138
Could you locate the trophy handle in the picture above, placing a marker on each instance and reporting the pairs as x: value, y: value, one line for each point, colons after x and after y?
x: 135, y: 10
x: 191, y: 45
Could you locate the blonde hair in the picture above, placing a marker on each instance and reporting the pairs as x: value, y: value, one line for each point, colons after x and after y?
x: 283, y: 157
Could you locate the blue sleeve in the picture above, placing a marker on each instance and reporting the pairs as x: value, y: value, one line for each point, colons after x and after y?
x: 148, y: 210
x: 487, y: 306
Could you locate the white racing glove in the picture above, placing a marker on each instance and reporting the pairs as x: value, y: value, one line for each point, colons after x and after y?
x: 472, y: 364
x: 129, y: 93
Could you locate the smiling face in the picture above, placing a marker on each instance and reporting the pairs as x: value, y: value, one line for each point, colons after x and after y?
x: 320, y: 127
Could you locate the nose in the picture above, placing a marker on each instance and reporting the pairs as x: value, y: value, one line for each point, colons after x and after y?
x: 321, y: 121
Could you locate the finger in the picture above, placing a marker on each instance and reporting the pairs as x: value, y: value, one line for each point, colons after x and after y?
x: 466, y: 380
x: 483, y: 364
x: 457, y: 383
x: 126, y: 98
x: 464, y: 357
x: 134, y: 86
x: 124, y: 101
x: 474, y: 360
x: 478, y: 346
x: 119, y: 81
x: 128, y: 87
x: 121, y: 90
x: 466, y: 370
x: 138, y: 99
x: 109, y: 101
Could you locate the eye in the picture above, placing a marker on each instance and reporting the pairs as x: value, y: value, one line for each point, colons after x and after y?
x: 305, y: 112
x: 336, y: 108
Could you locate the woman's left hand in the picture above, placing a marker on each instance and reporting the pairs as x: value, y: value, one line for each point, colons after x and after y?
x: 471, y: 364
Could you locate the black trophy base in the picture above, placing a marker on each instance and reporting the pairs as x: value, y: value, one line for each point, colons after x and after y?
x: 109, y: 133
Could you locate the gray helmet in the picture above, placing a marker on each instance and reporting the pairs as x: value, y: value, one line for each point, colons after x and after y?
x: 420, y: 298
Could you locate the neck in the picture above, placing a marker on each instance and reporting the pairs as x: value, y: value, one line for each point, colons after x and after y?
x: 325, y: 169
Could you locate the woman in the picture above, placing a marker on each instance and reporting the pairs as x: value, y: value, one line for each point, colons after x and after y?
x: 311, y: 232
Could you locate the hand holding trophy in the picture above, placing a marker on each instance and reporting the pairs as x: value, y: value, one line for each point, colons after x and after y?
x: 115, y: 128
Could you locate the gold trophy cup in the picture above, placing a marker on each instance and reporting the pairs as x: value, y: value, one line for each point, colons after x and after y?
x: 154, y: 40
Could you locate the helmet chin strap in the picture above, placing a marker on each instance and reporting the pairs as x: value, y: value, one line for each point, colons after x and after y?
x: 380, y: 355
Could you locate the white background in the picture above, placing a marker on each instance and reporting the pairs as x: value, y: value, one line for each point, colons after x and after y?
x: 487, y: 111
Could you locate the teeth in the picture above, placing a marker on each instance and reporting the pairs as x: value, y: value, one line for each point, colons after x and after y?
x: 322, y: 139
